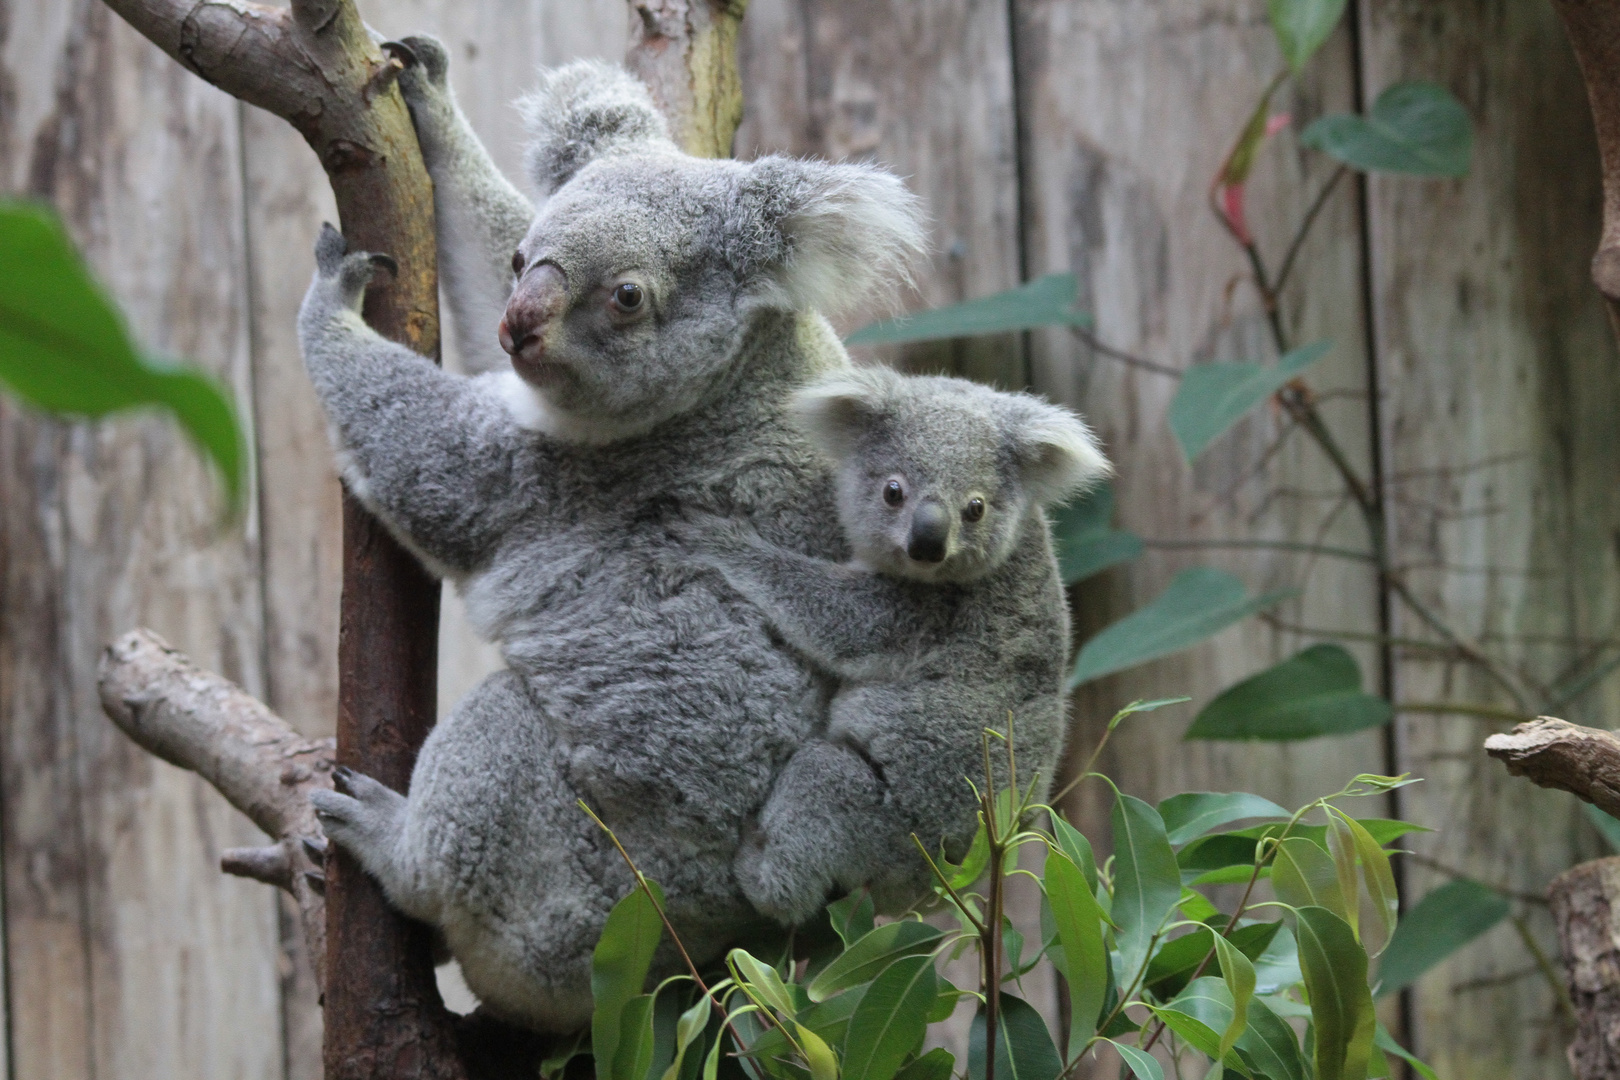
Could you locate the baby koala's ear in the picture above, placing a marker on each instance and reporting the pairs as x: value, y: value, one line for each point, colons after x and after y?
x: 837, y: 411
x: 582, y: 111
x: 1056, y: 452
x: 824, y: 237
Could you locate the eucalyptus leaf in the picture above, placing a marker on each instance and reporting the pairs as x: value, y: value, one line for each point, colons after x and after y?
x: 1271, y: 1044
x: 852, y: 917
x: 1415, y: 127
x: 937, y: 1064
x: 1147, y: 881
x: 1024, y: 1048
x: 64, y: 347
x: 1342, y: 1014
x: 1192, y: 814
x: 619, y: 968
x: 1302, y: 26
x: 1377, y: 878
x: 1316, y: 692
x: 890, y: 1020
x: 1442, y: 922
x: 1085, y: 954
x: 818, y: 1055
x: 1046, y: 301
x: 868, y: 957
x: 1213, y: 397
x: 762, y: 981
x: 1143, y: 1066
x: 688, y: 1030
x: 1199, y: 603
x: 634, y: 1053
x: 1073, y: 843
x: 1087, y: 543
x: 1238, y: 973
x: 1386, y: 1042
x: 1303, y: 874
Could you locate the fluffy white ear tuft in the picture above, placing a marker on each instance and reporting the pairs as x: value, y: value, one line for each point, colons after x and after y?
x: 1057, y: 454
x: 828, y: 236
x: 836, y: 411
x: 585, y: 110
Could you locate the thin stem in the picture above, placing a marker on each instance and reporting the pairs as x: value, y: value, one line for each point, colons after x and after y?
x: 1457, y: 875
x: 956, y: 897
x: 1508, y: 681
x: 1271, y: 620
x: 1090, y: 340
x: 1305, y: 224
x: 1583, y: 684
x: 1548, y: 972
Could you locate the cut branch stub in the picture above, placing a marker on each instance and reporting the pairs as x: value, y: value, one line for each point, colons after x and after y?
x: 1585, y: 904
x: 1557, y: 754
x: 207, y: 724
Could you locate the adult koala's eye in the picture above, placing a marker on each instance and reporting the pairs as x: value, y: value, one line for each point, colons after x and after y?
x: 627, y: 297
x: 893, y: 493
x: 517, y: 263
x: 974, y: 510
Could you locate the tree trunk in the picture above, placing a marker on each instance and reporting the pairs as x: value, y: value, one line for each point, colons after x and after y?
x: 1585, y: 903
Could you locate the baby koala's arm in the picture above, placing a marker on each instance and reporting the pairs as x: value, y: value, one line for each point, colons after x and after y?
x: 479, y: 216
x: 845, y: 618
x: 437, y: 456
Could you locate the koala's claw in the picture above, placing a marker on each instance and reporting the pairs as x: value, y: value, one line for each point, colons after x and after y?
x: 425, y: 60
x: 351, y: 272
x: 402, y: 52
x: 315, y: 846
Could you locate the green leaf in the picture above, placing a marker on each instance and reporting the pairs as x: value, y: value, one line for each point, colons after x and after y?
x: 890, y: 1019
x: 867, y: 958
x: 633, y: 1056
x: 564, y: 1052
x: 973, y: 864
x: 688, y: 1029
x: 1213, y: 397
x: 938, y: 1064
x: 1336, y: 981
x: 1198, y: 1014
x: 1073, y: 843
x: 619, y: 970
x: 1194, y: 813
x: 1087, y: 543
x: 1386, y: 1042
x: 1605, y: 824
x: 1024, y: 1048
x: 1416, y: 127
x: 1303, y: 874
x: 1199, y: 603
x: 852, y: 916
x: 1443, y: 922
x: 1147, y: 881
x: 1143, y: 1066
x: 1085, y: 954
x: 1271, y: 1044
x: 1302, y: 25
x: 1316, y: 692
x: 1046, y: 301
x: 818, y: 1055
x: 1376, y: 877
x: 64, y: 347
x: 1238, y: 974
x: 1277, y: 967
x: 944, y: 1003
x: 1173, y: 965
x: 762, y: 979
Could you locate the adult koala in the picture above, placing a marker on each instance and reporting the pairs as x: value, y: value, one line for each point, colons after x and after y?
x: 660, y: 310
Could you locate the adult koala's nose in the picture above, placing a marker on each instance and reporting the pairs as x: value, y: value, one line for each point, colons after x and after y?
x: 930, y: 533
x: 538, y: 300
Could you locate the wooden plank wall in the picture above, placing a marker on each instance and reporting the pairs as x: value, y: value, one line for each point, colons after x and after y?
x: 1044, y: 135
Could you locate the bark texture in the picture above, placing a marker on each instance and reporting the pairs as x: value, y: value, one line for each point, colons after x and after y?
x: 1553, y: 753
x: 686, y: 52
x: 1594, y: 32
x: 1586, y: 906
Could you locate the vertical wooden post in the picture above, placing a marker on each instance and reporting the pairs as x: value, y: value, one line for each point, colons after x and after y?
x: 1594, y: 32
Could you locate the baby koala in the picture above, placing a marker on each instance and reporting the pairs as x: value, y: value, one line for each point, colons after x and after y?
x: 950, y: 619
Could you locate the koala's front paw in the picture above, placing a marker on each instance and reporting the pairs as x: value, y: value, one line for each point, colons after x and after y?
x: 774, y: 884
x: 363, y: 816
x: 341, y: 277
x: 426, y: 63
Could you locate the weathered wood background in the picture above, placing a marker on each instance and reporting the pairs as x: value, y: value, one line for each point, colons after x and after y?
x: 1474, y: 375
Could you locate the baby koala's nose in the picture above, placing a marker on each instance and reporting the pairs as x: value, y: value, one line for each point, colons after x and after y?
x: 930, y: 533
x: 538, y: 299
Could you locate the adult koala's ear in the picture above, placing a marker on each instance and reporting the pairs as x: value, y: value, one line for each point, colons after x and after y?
x: 1057, y: 454
x: 583, y: 111
x: 835, y: 412
x: 824, y: 237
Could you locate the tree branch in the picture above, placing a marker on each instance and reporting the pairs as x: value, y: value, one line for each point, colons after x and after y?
x: 1554, y: 753
x: 686, y: 52
x: 205, y: 723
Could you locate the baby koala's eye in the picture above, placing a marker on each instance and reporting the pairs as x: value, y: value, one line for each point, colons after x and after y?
x: 518, y: 263
x: 893, y: 493
x: 974, y: 510
x: 627, y: 297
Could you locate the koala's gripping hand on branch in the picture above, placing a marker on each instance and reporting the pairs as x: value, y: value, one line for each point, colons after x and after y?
x: 950, y: 621
x: 657, y: 314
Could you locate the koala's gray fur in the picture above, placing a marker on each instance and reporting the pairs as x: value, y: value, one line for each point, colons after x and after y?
x: 929, y: 653
x: 638, y: 680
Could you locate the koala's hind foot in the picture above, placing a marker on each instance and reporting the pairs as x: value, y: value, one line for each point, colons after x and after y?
x: 367, y: 819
